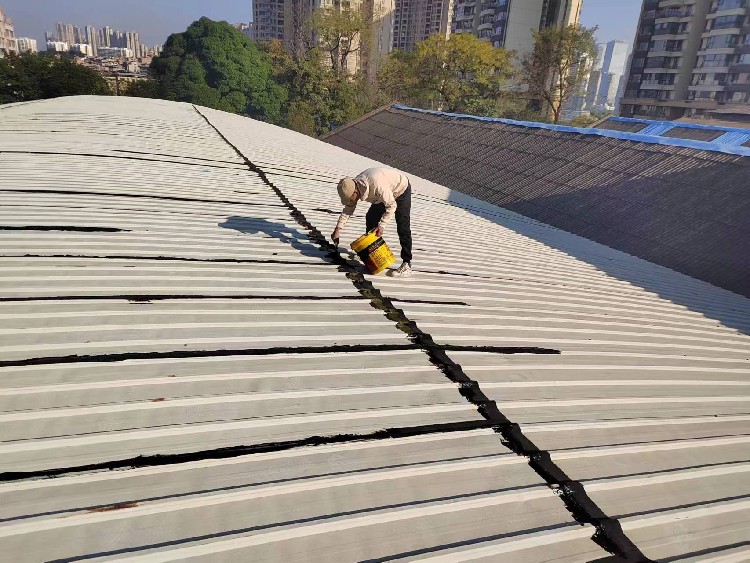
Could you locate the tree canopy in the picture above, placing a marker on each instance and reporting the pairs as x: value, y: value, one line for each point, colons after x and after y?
x: 319, y: 98
x: 32, y: 76
x: 453, y: 74
x: 558, y: 67
x: 214, y: 65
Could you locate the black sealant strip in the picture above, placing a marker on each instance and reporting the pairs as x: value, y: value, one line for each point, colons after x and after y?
x: 293, y: 350
x: 146, y: 298
x: 609, y: 533
x: 58, y: 228
x: 141, y: 196
x: 237, y: 451
x: 178, y: 259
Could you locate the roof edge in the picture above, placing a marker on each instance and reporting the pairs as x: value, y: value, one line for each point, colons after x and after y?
x: 621, y: 135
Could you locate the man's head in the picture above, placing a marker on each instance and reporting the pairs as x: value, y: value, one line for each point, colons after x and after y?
x: 348, y: 191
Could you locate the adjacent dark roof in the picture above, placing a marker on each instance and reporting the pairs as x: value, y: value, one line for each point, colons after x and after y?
x: 657, y: 198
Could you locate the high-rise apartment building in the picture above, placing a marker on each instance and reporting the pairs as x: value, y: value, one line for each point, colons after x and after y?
x: 288, y: 21
x: 607, y: 76
x: 8, y: 42
x: 27, y: 45
x: 58, y: 46
x: 65, y: 33
x: 268, y: 17
x: 508, y: 23
x: 92, y: 38
x: 691, y: 59
x: 416, y: 20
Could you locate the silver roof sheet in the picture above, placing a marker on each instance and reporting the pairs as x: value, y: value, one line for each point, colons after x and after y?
x: 206, y: 380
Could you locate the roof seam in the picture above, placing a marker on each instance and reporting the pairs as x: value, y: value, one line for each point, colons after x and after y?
x: 609, y: 533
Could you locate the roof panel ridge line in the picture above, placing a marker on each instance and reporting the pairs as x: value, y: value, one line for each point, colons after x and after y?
x: 621, y: 135
x: 609, y: 533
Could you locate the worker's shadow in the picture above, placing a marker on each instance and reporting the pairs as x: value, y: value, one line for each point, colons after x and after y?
x: 252, y: 226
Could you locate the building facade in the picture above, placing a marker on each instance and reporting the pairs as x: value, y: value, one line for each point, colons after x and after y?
x: 508, y: 23
x: 268, y: 17
x: 691, y: 59
x: 604, y: 87
x: 58, y: 46
x: 8, y: 41
x: 416, y: 20
x: 27, y: 45
x: 92, y: 38
x: 288, y: 21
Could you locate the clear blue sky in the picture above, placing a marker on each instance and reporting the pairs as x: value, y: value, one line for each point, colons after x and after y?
x: 617, y: 19
x: 156, y: 19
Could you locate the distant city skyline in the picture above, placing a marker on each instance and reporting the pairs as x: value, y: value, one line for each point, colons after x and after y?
x: 156, y: 20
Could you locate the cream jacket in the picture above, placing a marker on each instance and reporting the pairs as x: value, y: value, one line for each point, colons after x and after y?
x: 383, y: 185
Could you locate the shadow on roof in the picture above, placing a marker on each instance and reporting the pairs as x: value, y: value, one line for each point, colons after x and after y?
x: 291, y: 236
x: 692, y: 296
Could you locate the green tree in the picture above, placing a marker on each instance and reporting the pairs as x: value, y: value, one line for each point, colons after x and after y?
x: 141, y: 89
x: 319, y: 98
x: 454, y: 74
x: 33, y: 76
x: 340, y: 31
x: 558, y: 67
x: 214, y: 65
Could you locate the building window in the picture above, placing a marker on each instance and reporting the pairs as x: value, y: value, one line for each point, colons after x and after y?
x: 720, y: 5
x: 725, y: 22
x: 720, y: 42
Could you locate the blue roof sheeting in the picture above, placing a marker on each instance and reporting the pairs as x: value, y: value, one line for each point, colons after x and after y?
x: 729, y: 148
x: 733, y: 136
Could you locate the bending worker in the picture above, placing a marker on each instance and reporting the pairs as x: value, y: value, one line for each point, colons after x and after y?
x: 389, y: 193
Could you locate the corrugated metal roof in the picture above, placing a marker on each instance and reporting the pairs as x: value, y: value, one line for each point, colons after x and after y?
x: 178, y: 317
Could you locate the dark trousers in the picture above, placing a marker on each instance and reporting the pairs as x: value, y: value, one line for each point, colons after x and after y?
x: 403, y: 221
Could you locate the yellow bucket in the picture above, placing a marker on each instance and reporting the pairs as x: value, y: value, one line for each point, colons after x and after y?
x: 374, y: 252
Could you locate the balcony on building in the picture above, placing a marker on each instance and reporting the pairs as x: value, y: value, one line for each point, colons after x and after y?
x: 674, y: 3
x: 728, y: 7
x: 487, y: 9
x: 674, y: 14
x: 740, y: 63
x: 723, y: 24
x: 658, y: 81
x: 665, y: 47
x: 663, y: 63
x: 670, y: 30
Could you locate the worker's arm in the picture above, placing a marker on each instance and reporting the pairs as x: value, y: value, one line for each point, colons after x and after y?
x: 343, y: 218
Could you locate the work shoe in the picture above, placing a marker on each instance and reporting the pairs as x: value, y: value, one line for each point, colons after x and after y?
x: 403, y: 271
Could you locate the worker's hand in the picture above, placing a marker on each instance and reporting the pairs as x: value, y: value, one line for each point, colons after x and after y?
x: 336, y: 235
x: 379, y: 231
